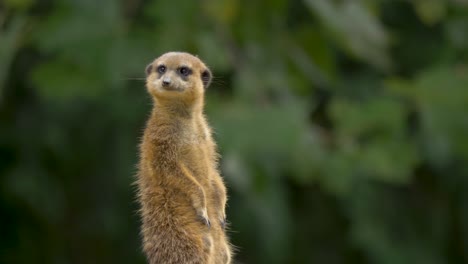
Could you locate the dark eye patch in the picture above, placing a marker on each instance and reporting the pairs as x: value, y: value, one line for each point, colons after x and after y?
x: 161, y: 69
x: 185, y: 71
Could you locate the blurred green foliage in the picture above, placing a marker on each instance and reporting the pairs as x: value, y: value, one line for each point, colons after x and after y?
x: 343, y: 126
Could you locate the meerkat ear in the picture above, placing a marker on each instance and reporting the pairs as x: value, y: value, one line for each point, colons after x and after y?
x: 149, y: 69
x: 206, y: 78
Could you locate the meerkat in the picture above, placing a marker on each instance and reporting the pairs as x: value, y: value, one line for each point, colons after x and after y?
x: 181, y: 193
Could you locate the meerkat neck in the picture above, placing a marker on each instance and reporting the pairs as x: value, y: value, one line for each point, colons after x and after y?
x: 175, y: 122
x: 177, y: 109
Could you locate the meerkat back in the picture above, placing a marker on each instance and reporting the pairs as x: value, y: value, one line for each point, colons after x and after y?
x: 181, y: 193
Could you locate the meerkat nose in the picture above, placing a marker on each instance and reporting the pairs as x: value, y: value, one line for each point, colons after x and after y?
x: 166, y: 81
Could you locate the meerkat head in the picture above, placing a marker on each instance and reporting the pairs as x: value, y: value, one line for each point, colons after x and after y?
x: 177, y: 75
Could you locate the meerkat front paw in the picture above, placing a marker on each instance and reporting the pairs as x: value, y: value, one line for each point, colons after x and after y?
x: 203, y: 216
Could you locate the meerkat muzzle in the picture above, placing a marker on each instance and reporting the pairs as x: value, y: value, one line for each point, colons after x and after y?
x: 166, y: 81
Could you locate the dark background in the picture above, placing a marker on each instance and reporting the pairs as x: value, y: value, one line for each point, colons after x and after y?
x: 343, y: 126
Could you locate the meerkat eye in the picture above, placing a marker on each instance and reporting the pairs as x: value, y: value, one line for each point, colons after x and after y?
x: 161, y: 69
x: 185, y: 71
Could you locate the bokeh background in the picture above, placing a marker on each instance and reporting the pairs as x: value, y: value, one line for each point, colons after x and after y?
x: 343, y: 126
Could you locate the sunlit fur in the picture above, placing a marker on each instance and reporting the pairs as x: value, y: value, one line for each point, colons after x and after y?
x: 180, y: 189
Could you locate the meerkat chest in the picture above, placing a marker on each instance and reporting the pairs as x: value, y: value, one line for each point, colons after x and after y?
x: 193, y: 141
x: 195, y: 155
x: 194, y: 152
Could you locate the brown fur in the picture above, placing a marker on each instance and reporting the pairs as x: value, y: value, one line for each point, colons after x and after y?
x: 181, y: 193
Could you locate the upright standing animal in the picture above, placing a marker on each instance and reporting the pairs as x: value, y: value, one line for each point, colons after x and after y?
x: 181, y: 193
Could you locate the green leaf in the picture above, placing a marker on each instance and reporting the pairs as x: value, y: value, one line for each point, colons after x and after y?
x: 19, y: 4
x: 10, y: 43
x: 430, y: 11
x: 355, y: 29
x: 65, y: 80
x: 372, y: 136
x: 441, y: 99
